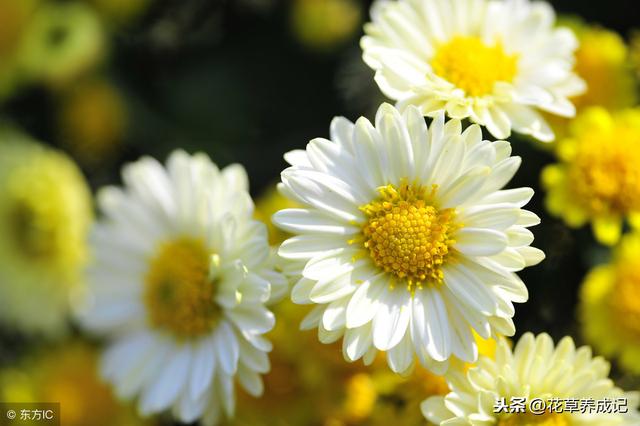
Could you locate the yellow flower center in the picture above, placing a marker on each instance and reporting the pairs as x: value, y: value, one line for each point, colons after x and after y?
x: 179, y: 294
x: 407, y: 235
x: 604, y: 171
x: 624, y: 303
x: 473, y: 66
x: 528, y: 419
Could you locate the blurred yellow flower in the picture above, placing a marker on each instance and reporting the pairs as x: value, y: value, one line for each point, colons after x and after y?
x: 609, y: 308
x: 92, y: 120
x: 62, y: 41
x: 324, y: 24
x: 602, y: 61
x: 67, y: 375
x: 266, y: 205
x: 597, y: 178
x: 45, y: 212
x: 120, y: 12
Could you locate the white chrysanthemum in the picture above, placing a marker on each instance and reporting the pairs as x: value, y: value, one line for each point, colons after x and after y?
x: 406, y: 241
x: 535, y: 370
x: 493, y: 61
x: 180, y: 280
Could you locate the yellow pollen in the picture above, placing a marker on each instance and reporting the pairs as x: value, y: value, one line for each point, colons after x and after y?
x: 179, y: 294
x: 623, y: 301
x: 604, y: 172
x: 407, y: 235
x: 529, y: 419
x: 473, y: 66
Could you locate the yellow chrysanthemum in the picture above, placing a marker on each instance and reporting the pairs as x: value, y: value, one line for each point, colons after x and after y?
x: 67, y: 375
x: 45, y: 212
x: 92, y: 120
x: 323, y: 24
x: 602, y: 61
x: 597, y: 179
x: 609, y: 307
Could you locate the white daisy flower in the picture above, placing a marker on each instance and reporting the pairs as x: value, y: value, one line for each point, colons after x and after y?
x: 406, y: 241
x: 181, y: 277
x: 535, y: 371
x: 496, y: 62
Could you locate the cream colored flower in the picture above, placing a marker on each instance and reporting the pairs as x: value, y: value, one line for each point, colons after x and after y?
x: 497, y: 62
x: 181, y: 277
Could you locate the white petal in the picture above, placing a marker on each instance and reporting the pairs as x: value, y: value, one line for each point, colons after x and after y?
x: 309, y: 246
x: 467, y: 288
x: 171, y: 379
x: 254, y: 318
x: 250, y: 381
x: 400, y: 357
x: 437, y: 325
x: 334, y: 315
x: 364, y: 302
x: 494, y: 216
x: 357, y: 342
x: 303, y: 221
x: 531, y: 255
x: 312, y: 319
x: 301, y: 291
x: 327, y: 291
x: 479, y: 241
x: 465, y: 187
x: 392, y: 319
x: 202, y: 367
x: 226, y: 348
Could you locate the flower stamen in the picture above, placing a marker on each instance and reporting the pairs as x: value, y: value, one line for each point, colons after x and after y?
x: 474, y: 67
x: 178, y: 293
x: 407, y: 235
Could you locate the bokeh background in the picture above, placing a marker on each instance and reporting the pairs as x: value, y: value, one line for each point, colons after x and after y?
x: 107, y: 81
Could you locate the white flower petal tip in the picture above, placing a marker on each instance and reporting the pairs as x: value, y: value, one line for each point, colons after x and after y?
x: 405, y: 241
